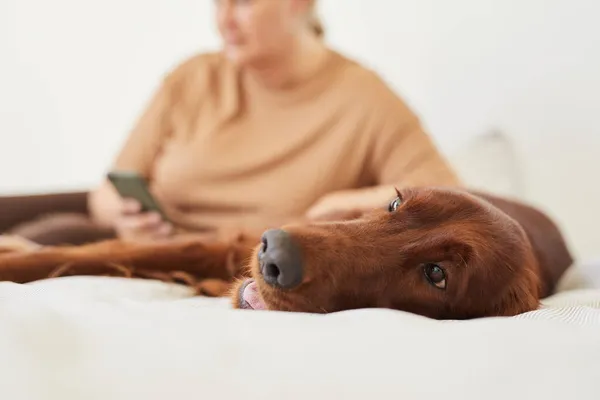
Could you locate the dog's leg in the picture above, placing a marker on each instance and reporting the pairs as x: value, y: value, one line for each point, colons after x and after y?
x: 196, y: 259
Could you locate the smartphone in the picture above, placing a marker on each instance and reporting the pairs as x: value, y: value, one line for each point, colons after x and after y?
x: 130, y: 184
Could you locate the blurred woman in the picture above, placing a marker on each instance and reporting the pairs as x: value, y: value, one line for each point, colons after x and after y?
x: 274, y: 126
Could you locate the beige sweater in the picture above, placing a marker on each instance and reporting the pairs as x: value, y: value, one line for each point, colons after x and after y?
x: 222, y: 151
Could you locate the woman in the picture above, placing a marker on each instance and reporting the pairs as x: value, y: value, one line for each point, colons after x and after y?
x: 274, y: 127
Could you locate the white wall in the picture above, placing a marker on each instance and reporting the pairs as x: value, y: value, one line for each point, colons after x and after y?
x: 75, y: 73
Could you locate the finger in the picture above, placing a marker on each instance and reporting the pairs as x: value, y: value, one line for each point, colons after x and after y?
x: 165, y: 230
x: 130, y: 206
x: 161, y: 232
x: 340, y: 215
x: 324, y: 216
x: 317, y: 211
x: 146, y: 221
x: 152, y: 218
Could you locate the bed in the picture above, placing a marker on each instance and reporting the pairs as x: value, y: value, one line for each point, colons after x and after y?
x: 113, y: 338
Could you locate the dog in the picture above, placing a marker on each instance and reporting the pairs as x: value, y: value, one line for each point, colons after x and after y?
x: 444, y: 253
x: 440, y: 253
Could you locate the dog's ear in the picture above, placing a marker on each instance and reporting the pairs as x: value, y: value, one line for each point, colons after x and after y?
x: 522, y: 296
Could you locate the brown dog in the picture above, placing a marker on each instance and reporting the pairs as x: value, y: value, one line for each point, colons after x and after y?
x: 441, y: 253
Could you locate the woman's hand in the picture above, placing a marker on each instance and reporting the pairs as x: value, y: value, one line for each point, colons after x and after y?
x: 134, y: 225
x: 17, y: 244
x: 349, y: 204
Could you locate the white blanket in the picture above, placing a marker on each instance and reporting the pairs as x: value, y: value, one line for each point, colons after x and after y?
x: 107, y: 338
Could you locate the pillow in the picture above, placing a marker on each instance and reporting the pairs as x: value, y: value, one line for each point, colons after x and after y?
x: 489, y: 163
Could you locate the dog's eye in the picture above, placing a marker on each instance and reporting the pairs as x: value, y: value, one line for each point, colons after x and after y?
x: 435, y: 275
x: 395, y: 204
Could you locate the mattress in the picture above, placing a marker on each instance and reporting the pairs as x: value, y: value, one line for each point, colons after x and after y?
x: 111, y: 338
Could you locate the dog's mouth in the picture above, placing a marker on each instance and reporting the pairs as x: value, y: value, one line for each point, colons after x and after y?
x: 250, y: 298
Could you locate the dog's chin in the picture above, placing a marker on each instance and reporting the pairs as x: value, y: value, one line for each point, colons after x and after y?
x: 249, y: 296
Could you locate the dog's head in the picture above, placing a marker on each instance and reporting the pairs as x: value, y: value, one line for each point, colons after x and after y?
x: 440, y: 253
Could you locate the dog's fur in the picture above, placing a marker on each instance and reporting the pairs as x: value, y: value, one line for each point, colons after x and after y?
x: 500, y: 258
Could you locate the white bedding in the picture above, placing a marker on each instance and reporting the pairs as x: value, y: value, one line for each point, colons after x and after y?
x: 108, y: 338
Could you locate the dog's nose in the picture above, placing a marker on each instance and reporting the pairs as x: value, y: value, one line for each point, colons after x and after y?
x: 280, y: 259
